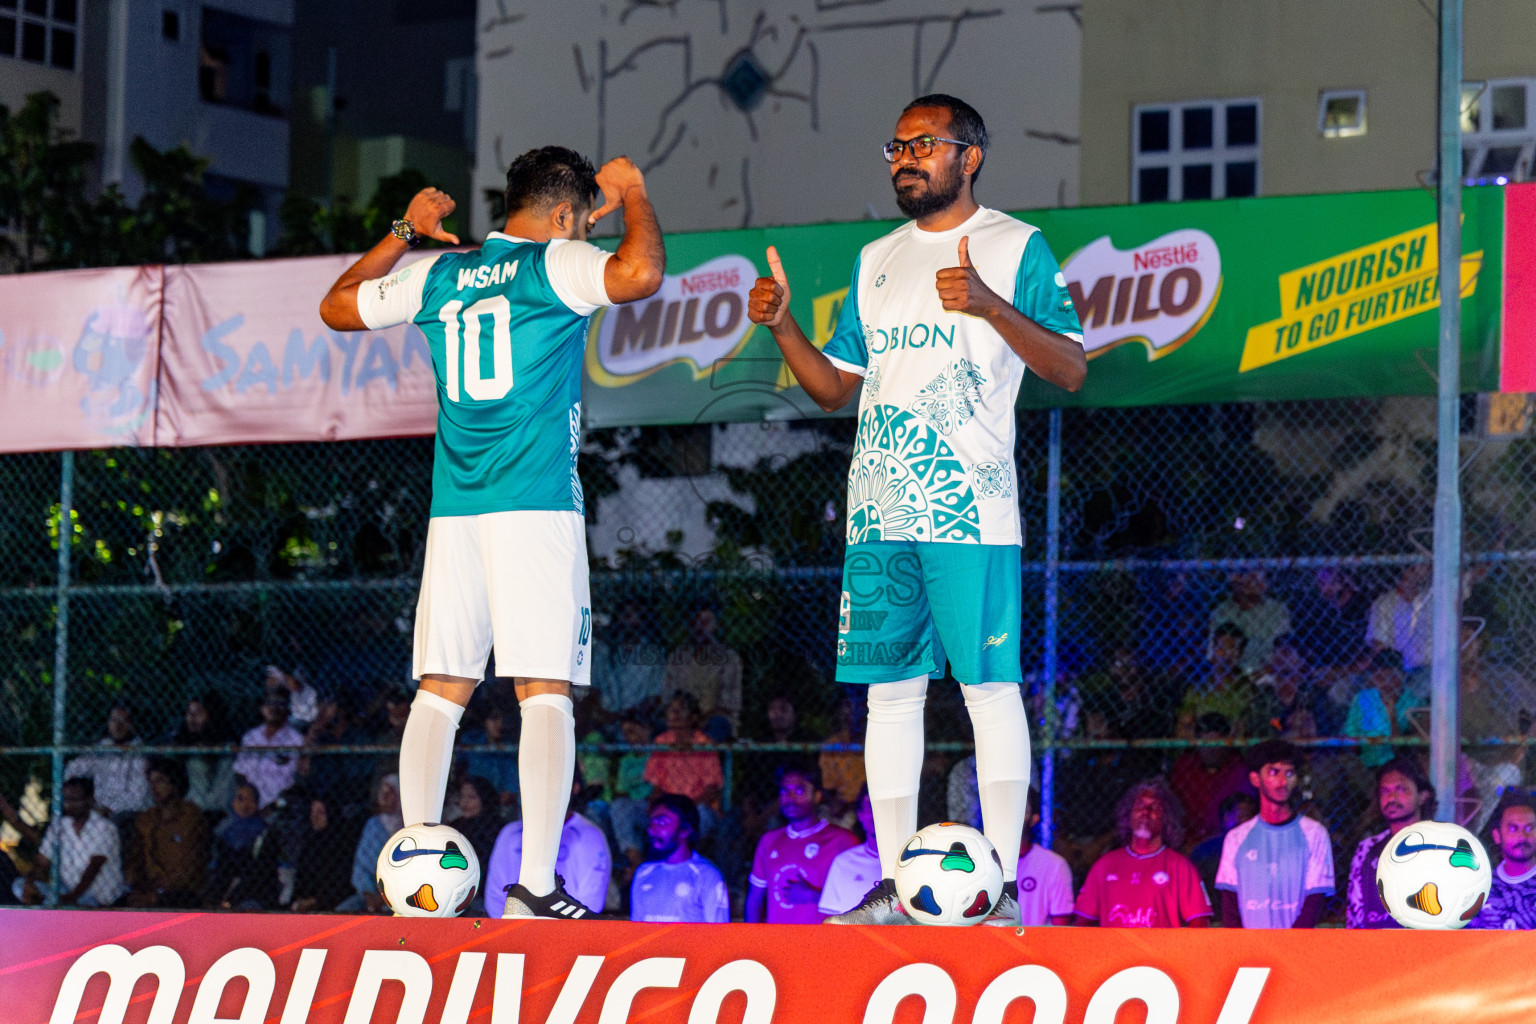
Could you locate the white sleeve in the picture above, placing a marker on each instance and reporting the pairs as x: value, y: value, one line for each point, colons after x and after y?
x: 575, y: 272
x: 1226, y: 870
x: 1058, y: 888
x: 395, y: 299
x: 1319, y: 874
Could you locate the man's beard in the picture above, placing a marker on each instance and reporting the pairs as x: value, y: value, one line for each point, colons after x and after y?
x: 940, y: 194
x: 1142, y: 832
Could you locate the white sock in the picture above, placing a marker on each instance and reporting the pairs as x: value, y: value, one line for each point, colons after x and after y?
x: 893, y: 763
x: 1002, y: 766
x: 546, y: 765
x: 426, y: 756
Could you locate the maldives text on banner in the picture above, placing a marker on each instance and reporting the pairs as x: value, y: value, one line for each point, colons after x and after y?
x: 139, y: 968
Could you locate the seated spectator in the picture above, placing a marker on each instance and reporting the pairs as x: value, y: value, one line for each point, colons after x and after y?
x: 1227, y: 688
x: 303, y: 701
x: 694, y: 774
x: 583, y: 865
x: 1205, y: 776
x: 790, y: 866
x: 709, y: 671
x: 676, y: 884
x: 1285, y: 688
x: 1511, y: 904
x: 1277, y: 868
x: 272, y: 773
x: 497, y: 766
x: 1331, y: 623
x: 1403, y: 796
x: 365, y: 858
x: 856, y: 870
x: 168, y: 862
x: 1206, y: 856
x: 245, y: 857
x: 1045, y: 880
x: 87, y: 847
x: 118, y: 776
x: 394, y: 707
x: 1495, y: 703
x: 320, y: 879
x: 1253, y: 613
x: 210, y: 777
x: 341, y: 779
x: 479, y: 814
x: 1145, y: 882
x: 1381, y: 709
x: 1083, y: 832
x: 1135, y: 704
x: 628, y: 664
x: 842, y: 771
x: 783, y: 722
x: 1400, y: 621
x: 629, y: 810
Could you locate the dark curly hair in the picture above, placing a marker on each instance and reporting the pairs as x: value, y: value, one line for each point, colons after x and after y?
x: 1173, y: 811
x: 541, y: 179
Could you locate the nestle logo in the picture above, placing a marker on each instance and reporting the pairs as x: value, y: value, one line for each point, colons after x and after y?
x: 1166, y: 256
x: 1159, y: 294
x: 697, y: 284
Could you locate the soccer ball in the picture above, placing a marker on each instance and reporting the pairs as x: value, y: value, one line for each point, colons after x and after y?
x: 948, y: 874
x: 428, y: 870
x: 1433, y: 874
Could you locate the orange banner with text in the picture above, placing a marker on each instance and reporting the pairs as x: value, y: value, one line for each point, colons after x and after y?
x: 141, y: 968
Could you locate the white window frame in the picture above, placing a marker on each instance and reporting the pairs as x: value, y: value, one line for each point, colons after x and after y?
x: 1476, y: 145
x: 50, y: 25
x: 1340, y: 131
x: 1176, y: 158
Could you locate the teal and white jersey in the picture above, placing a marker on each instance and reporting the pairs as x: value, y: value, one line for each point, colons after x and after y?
x: 507, y: 327
x: 933, y: 460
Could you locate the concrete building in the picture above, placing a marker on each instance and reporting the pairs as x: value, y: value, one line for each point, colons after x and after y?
x: 41, y: 51
x: 1222, y: 98
x: 750, y: 114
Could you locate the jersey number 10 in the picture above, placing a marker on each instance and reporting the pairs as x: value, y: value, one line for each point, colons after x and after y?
x: 479, y: 388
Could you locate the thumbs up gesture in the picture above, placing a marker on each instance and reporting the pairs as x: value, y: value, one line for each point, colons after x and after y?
x: 769, y: 299
x: 962, y: 290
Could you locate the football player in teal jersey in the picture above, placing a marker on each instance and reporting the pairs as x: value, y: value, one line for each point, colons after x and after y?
x: 506, y: 558
x: 943, y: 318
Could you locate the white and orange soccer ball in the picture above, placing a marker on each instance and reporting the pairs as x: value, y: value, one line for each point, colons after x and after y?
x: 1434, y: 875
x: 428, y: 870
x: 948, y: 874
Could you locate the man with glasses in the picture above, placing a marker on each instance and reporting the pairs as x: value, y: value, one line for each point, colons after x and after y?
x: 942, y: 318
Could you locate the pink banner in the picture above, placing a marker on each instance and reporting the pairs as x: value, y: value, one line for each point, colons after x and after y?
x: 1518, y: 367
x: 79, y: 354
x: 246, y: 358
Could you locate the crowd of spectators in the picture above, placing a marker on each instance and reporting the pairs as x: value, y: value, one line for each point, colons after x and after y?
x: 1199, y: 797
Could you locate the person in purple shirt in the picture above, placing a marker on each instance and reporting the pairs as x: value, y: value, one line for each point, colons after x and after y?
x: 791, y: 864
x: 1402, y: 794
x: 676, y: 884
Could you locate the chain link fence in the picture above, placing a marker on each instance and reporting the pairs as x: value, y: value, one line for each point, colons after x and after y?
x: 1220, y: 574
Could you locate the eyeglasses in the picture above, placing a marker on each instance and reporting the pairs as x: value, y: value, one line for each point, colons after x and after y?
x: 919, y: 147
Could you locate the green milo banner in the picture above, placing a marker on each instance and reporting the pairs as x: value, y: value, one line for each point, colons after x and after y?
x: 1237, y: 300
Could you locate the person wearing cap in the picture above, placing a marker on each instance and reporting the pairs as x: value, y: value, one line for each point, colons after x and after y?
x: 1276, y: 868
x: 270, y: 773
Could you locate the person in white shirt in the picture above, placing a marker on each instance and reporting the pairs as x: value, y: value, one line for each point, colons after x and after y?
x: 1045, y: 880
x: 270, y: 774
x: 584, y: 863
x: 86, y: 845
x: 677, y: 885
x: 120, y: 779
x: 942, y: 319
x: 854, y: 870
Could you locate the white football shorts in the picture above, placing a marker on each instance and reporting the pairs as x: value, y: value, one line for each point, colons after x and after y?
x: 515, y: 581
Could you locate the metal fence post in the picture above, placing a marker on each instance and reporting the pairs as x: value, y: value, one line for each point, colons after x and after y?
x: 61, y: 639
x: 1052, y: 604
x: 1444, y: 728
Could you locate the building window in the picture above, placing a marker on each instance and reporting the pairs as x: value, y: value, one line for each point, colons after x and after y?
x: 1498, y: 136
x: 1341, y: 113
x: 243, y: 62
x: 40, y: 31
x: 170, y: 26
x: 1201, y: 150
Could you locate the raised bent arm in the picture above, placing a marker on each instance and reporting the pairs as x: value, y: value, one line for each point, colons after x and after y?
x: 637, y: 268
x: 339, y: 307
x: 829, y: 386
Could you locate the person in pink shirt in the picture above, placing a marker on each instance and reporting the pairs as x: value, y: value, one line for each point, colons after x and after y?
x: 791, y: 864
x: 694, y: 774
x: 1145, y: 883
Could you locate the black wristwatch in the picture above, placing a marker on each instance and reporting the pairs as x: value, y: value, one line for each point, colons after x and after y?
x: 406, y: 232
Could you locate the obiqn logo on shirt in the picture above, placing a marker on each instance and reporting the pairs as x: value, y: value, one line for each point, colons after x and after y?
x: 1160, y: 293
x: 698, y: 317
